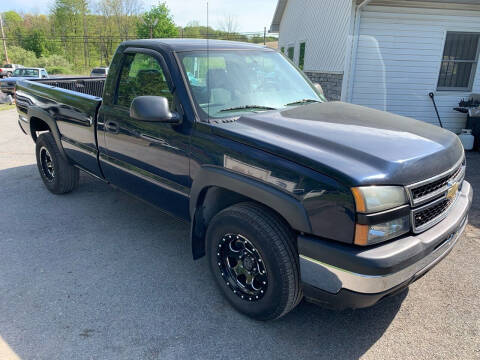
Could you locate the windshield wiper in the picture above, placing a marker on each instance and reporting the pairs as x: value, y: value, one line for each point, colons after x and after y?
x: 303, y: 101
x: 247, y: 107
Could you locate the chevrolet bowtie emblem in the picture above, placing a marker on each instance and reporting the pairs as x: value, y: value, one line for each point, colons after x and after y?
x: 452, y: 190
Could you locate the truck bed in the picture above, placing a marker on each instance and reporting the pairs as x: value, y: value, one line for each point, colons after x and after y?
x: 72, y: 103
x: 84, y: 85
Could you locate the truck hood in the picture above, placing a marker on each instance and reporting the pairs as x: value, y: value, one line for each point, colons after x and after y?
x: 351, y: 143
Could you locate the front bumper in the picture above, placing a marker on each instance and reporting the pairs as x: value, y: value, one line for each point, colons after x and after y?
x: 345, y: 276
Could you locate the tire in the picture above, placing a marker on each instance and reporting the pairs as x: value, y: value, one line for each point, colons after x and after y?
x: 58, y: 175
x: 245, y: 234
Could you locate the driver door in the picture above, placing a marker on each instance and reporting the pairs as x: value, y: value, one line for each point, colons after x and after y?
x: 148, y: 159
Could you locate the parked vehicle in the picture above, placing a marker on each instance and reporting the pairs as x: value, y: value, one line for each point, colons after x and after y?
x: 99, y: 71
x: 7, y: 85
x: 7, y: 69
x: 287, y: 194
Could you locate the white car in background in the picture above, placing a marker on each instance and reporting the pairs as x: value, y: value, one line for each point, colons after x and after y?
x: 7, y: 69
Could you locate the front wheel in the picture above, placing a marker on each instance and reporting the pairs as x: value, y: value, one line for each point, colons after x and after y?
x: 254, y: 261
x: 58, y: 175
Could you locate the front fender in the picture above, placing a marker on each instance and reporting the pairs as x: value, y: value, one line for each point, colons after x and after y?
x: 286, y: 205
x: 209, y: 177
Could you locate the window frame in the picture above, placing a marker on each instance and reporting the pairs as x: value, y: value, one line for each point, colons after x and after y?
x: 304, y: 43
x: 293, y: 52
x: 157, y: 56
x: 473, y: 71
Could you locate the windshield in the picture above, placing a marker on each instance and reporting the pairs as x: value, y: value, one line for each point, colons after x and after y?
x: 99, y: 71
x: 26, y: 72
x: 228, y: 83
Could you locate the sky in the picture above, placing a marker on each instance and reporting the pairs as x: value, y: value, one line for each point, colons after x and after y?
x: 250, y: 15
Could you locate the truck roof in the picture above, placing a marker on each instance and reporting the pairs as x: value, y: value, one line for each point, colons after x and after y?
x: 194, y: 44
x: 32, y: 68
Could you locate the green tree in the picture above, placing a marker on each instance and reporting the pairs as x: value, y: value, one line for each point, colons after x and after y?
x: 36, y: 41
x: 69, y: 21
x: 157, y: 23
x: 13, y: 27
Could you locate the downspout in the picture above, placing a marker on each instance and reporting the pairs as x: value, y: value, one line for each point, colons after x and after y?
x: 353, y: 54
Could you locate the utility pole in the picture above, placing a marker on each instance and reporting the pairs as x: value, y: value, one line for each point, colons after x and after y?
x: 4, y: 40
x: 264, y: 35
x: 151, y: 25
x: 155, y: 22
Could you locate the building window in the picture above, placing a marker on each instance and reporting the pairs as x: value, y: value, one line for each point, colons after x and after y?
x: 291, y: 52
x: 459, y: 61
x: 301, y: 58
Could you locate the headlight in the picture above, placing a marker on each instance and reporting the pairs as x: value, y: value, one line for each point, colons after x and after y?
x: 373, y: 199
x: 374, y: 234
x: 370, y: 199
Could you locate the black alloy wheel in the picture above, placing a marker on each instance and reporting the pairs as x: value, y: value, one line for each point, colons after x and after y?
x: 242, y: 267
x: 46, y: 163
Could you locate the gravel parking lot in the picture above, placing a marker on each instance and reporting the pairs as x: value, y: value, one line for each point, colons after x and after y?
x: 97, y: 274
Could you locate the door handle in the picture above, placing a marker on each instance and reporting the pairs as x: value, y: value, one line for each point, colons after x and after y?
x: 112, y: 126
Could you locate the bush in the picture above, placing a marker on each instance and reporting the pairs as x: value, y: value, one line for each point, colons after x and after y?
x: 56, y: 70
x: 18, y: 55
x: 54, y: 64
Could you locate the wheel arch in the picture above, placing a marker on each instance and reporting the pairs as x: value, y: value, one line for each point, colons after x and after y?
x: 215, y: 189
x: 40, y: 120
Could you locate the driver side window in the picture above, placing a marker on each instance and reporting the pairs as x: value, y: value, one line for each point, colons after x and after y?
x: 141, y: 75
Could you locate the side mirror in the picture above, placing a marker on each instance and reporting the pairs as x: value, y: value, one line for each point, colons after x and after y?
x: 152, y: 108
x: 319, y: 88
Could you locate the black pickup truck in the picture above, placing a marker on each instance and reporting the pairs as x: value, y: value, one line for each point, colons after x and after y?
x: 288, y: 195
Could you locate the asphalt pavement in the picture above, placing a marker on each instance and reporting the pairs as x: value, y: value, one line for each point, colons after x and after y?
x: 97, y: 274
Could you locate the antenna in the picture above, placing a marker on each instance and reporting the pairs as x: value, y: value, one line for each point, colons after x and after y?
x: 208, y: 70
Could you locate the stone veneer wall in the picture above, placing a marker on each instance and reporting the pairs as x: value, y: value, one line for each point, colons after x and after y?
x: 331, y: 83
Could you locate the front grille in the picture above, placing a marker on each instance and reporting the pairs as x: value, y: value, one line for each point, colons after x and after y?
x: 430, y: 199
x: 431, y: 213
x: 432, y: 187
x: 429, y: 188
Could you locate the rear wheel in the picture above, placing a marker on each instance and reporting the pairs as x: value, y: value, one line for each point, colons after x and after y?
x: 253, y: 260
x: 58, y: 175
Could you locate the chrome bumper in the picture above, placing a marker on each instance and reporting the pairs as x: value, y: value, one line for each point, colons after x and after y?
x: 332, y: 279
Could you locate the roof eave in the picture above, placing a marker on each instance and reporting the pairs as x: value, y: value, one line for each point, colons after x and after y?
x: 277, y: 17
x: 439, y: 3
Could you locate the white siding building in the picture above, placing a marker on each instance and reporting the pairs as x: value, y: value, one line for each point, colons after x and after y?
x: 387, y: 54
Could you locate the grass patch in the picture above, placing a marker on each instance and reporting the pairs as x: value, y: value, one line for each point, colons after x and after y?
x: 6, y: 107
